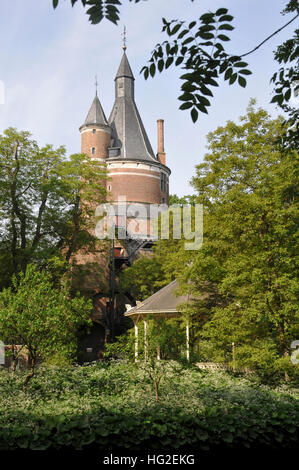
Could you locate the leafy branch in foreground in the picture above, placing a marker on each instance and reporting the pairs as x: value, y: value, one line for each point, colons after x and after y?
x: 286, y: 80
x: 190, y: 50
x: 100, y: 9
x: 198, y: 48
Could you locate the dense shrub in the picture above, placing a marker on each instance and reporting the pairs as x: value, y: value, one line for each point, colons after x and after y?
x: 112, y: 405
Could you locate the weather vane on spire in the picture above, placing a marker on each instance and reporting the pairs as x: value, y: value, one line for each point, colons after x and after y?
x: 96, y: 85
x: 124, y: 35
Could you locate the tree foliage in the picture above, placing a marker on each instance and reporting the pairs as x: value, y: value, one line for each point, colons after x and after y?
x: 143, y: 278
x: 286, y: 80
x: 249, y: 188
x: 41, y: 318
x: 198, y: 49
x: 46, y: 203
x: 97, y: 10
x: 245, y: 277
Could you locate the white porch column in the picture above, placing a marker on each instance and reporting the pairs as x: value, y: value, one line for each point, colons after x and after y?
x: 145, y: 339
x: 187, y: 341
x: 136, y: 342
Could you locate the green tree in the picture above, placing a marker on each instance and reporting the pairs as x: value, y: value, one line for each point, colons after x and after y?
x: 184, y: 200
x: 249, y: 188
x: 42, y: 319
x: 46, y: 203
x: 143, y: 278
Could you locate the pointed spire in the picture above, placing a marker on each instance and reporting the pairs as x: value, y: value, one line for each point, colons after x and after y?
x: 128, y: 130
x: 96, y: 114
x: 124, y: 69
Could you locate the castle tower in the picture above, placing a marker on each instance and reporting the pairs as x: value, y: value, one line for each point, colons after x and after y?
x: 95, y: 132
x: 135, y: 173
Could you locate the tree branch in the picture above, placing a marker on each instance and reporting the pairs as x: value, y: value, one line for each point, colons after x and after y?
x: 41, y: 210
x: 269, y: 37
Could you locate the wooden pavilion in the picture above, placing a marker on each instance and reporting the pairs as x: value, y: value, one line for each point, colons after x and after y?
x: 162, y: 304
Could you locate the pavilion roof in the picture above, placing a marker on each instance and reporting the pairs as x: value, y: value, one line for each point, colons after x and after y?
x: 164, y: 301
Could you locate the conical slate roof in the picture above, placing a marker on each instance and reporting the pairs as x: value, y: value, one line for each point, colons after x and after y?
x: 96, y: 114
x: 128, y: 132
x: 124, y: 69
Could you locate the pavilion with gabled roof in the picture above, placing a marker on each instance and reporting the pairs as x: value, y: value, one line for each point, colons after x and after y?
x: 165, y: 303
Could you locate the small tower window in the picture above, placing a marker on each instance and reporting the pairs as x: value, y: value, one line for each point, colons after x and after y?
x: 93, y: 151
x: 94, y: 131
x: 163, y: 182
x: 109, y: 187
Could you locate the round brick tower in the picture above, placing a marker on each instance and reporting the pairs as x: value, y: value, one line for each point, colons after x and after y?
x: 95, y: 133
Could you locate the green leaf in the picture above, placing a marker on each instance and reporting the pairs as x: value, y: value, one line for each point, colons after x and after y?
x: 233, y: 78
x: 222, y: 37
x: 188, y: 40
x: 152, y: 70
x: 287, y: 95
x: 219, y: 46
x: 183, y: 33
x: 228, y: 73
x: 242, y: 81
x: 189, y: 87
x: 175, y: 29
x: 210, y: 81
x: 245, y: 72
x: 160, y: 65
x: 207, y: 17
x: 55, y: 3
x: 223, y: 67
x: 240, y: 64
x: 179, y: 60
x: 203, y: 100
x: 228, y: 27
x: 274, y: 99
x: 186, y: 105
x: 169, y: 62
x: 226, y: 18
x: 194, y: 114
x: 201, y: 108
x: 186, y: 97
x: 205, y: 90
x: 207, y: 27
x: 221, y: 11
x: 192, y: 24
x: 204, y: 35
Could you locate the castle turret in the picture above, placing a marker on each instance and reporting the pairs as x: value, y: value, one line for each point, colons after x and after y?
x: 128, y: 133
x: 95, y: 132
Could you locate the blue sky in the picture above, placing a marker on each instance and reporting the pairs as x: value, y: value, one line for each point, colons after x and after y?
x: 48, y: 61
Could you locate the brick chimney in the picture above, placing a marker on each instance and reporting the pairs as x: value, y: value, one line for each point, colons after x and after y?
x: 161, y: 152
